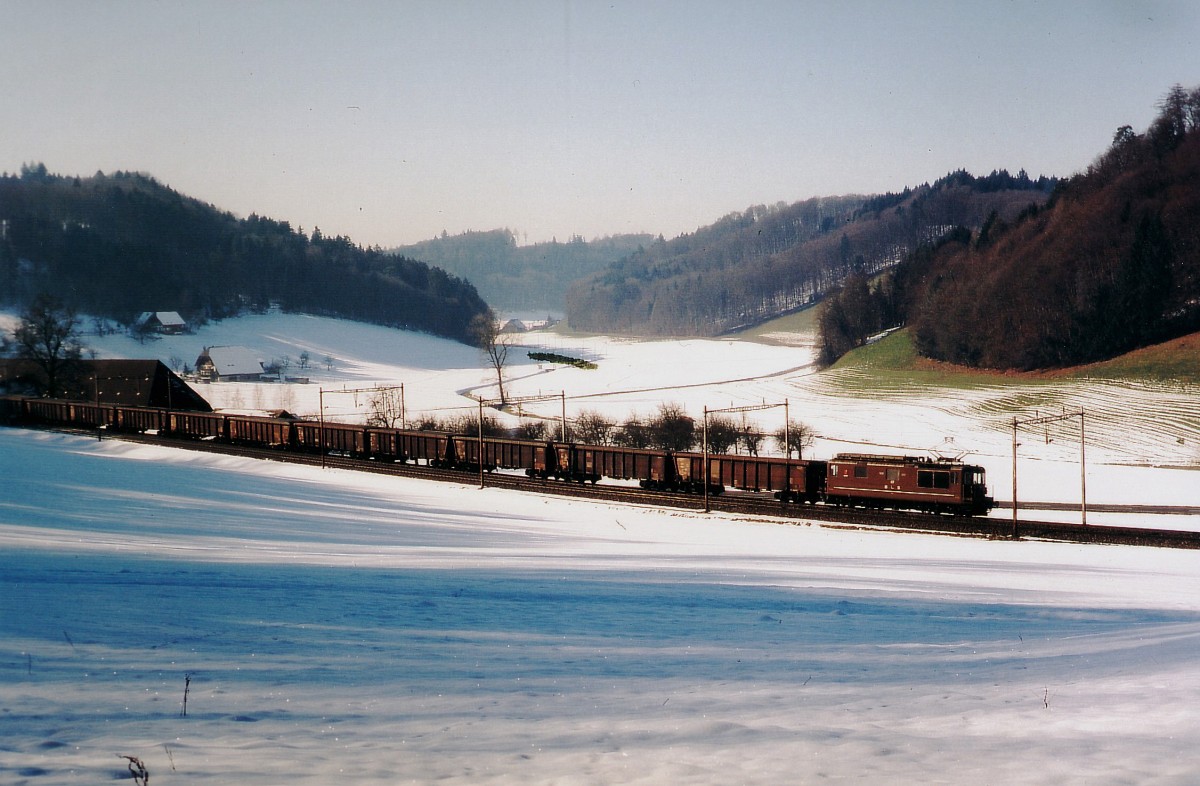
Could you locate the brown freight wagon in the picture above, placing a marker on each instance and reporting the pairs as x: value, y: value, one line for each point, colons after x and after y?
x: 341, y: 438
x: 426, y: 447
x: 140, y: 419
x: 262, y: 431
x: 89, y: 414
x: 198, y: 425
x: 592, y: 462
x: 792, y: 480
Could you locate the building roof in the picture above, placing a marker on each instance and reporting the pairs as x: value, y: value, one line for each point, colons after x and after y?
x: 165, y: 318
x: 140, y: 383
x: 232, y: 361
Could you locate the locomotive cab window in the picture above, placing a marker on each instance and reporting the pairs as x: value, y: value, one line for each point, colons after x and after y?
x: 932, y: 479
x: 893, y: 475
x: 860, y: 470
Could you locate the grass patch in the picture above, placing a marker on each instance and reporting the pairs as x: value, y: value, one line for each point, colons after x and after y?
x: 804, y: 321
x: 894, y: 357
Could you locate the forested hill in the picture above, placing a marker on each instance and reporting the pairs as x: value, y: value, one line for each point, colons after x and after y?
x: 763, y: 262
x: 121, y: 244
x: 529, y: 278
x: 1111, y: 264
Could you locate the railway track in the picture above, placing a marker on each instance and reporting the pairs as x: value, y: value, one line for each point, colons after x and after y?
x: 737, y: 503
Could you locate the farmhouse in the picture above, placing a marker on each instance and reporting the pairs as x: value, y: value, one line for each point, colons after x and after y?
x: 169, y: 323
x: 229, y: 364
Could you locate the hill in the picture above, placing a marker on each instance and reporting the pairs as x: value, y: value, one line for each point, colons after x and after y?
x: 1110, y: 264
x: 768, y: 260
x: 117, y: 245
x: 530, y: 278
x: 1173, y: 362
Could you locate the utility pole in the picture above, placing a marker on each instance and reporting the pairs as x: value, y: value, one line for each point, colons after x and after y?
x: 751, y: 408
x: 1039, y: 420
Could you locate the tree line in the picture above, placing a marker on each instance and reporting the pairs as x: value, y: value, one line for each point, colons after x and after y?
x: 1110, y: 263
x: 669, y: 428
x: 117, y: 245
x: 509, y: 275
x: 769, y: 260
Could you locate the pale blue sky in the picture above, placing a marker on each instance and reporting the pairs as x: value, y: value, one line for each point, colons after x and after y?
x: 392, y: 121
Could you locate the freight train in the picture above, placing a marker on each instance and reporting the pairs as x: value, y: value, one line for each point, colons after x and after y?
x: 848, y: 479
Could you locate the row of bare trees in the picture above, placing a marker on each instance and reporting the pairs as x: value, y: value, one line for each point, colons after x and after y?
x: 669, y: 428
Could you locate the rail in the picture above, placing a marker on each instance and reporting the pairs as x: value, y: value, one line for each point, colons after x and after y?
x: 739, y: 503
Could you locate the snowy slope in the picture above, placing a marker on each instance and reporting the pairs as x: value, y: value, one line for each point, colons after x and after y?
x: 1143, y: 441
x: 341, y: 628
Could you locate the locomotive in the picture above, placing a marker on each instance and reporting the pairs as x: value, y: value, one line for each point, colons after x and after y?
x: 848, y: 479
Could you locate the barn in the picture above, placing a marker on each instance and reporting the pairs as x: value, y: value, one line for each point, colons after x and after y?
x: 229, y: 364
x: 169, y: 323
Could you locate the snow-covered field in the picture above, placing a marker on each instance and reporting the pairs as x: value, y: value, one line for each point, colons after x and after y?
x: 1142, y: 445
x: 342, y: 628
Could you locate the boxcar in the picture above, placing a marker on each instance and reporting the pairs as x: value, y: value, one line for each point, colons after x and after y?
x: 383, y: 444
x: 89, y: 414
x: 904, y: 482
x: 140, y: 419
x: 198, y: 425
x: 462, y: 452
x: 792, y: 480
x: 47, y: 410
x: 12, y: 409
x: 389, y: 444
x: 588, y: 462
x: 513, y: 453
x: 261, y: 431
x: 331, y: 438
x: 548, y: 464
x: 428, y: 447
x: 669, y: 471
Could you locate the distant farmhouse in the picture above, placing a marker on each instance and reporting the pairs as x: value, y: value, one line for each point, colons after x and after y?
x: 169, y: 323
x: 526, y: 325
x: 229, y: 364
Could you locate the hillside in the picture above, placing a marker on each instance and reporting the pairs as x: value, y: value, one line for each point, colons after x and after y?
x: 1111, y: 264
x: 117, y: 245
x: 1173, y: 362
x: 531, y: 278
x: 769, y: 260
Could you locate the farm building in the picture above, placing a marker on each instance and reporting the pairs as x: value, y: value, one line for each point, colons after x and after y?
x: 165, y: 322
x: 140, y: 383
x: 229, y: 364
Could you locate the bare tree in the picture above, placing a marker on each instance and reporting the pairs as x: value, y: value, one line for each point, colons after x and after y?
x: 798, y: 437
x: 751, y: 438
x: 634, y: 433
x: 592, y: 428
x: 530, y: 429
x: 386, y: 408
x: 672, y: 429
x: 48, y: 337
x: 722, y: 433
x: 493, y: 343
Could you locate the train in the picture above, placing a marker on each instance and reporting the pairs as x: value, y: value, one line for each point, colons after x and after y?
x: 930, y: 485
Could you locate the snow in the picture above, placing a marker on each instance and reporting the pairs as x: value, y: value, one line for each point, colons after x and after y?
x: 1142, y: 440
x: 348, y: 628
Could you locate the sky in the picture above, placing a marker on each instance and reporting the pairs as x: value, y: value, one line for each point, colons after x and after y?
x: 393, y: 121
